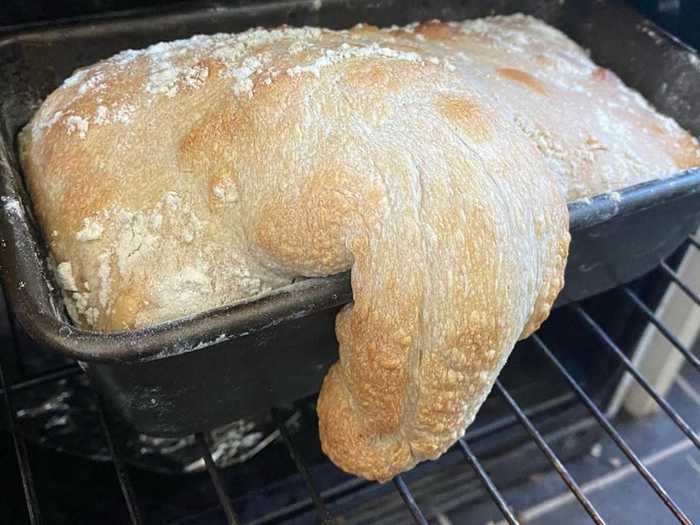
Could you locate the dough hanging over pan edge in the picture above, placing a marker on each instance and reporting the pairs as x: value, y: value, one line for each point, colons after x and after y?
x: 434, y: 160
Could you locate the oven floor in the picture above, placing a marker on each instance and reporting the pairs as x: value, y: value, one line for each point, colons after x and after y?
x: 613, y: 485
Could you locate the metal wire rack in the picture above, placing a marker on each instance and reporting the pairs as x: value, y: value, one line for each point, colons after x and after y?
x: 318, y: 499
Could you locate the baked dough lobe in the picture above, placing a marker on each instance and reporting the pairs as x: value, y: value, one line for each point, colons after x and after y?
x: 434, y: 161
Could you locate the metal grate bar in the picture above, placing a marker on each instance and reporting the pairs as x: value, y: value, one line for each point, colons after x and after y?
x: 488, y: 482
x: 410, y: 501
x: 614, y: 434
x: 120, y: 468
x: 551, y: 456
x: 507, y: 421
x: 662, y: 327
x: 337, y: 491
x: 22, y: 454
x: 213, y: 471
x: 674, y: 277
x: 610, y: 344
x: 323, y: 513
x: 53, y: 375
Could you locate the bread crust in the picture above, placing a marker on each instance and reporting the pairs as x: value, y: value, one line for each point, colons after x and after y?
x: 435, y: 161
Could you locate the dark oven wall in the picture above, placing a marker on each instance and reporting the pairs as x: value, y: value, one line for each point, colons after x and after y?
x: 676, y: 16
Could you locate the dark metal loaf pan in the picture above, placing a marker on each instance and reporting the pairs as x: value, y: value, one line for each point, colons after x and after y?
x: 197, y: 373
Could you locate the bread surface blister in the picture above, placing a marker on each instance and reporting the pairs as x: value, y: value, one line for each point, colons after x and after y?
x: 435, y: 161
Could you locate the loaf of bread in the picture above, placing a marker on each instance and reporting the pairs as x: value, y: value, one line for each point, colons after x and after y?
x: 433, y: 160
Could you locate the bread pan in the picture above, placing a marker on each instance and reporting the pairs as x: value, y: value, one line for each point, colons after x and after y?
x: 197, y: 373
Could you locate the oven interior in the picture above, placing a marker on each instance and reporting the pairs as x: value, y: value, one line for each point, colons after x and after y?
x: 68, y: 458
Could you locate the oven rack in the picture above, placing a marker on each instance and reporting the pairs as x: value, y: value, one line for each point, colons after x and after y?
x: 321, y: 500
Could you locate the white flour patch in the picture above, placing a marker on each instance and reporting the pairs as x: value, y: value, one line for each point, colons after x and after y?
x: 91, y: 231
x: 331, y: 57
x: 116, y: 114
x: 94, y: 83
x: 76, y: 124
x: 64, y: 273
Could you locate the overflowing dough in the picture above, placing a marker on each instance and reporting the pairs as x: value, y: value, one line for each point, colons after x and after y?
x: 434, y: 161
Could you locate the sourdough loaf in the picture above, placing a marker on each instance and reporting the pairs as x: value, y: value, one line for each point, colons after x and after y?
x: 433, y: 160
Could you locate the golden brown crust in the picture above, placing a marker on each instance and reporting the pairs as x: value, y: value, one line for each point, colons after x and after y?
x: 466, y: 114
x: 429, y: 159
x: 523, y: 78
